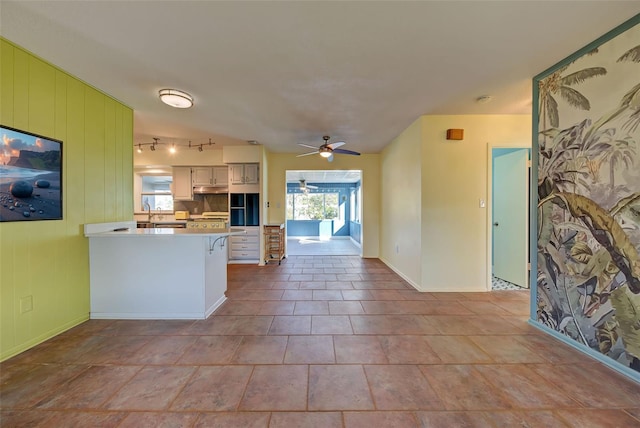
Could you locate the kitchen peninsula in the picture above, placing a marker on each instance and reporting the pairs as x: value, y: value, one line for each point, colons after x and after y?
x: 156, y: 273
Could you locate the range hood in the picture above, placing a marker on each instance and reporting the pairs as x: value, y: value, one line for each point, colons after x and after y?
x: 209, y: 190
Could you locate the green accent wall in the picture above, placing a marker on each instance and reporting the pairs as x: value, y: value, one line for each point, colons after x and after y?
x: 48, y: 261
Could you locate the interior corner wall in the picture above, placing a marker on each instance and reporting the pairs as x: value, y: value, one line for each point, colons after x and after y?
x: 454, y: 179
x: 369, y: 164
x: 48, y: 261
x: 400, y: 212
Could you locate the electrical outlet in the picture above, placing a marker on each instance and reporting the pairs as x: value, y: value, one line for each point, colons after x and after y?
x: 26, y: 304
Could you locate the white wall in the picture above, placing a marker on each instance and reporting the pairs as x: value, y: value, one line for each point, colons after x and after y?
x: 400, y: 208
x: 454, y: 179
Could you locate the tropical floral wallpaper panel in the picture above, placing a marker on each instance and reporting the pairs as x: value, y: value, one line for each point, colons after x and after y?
x: 588, y: 232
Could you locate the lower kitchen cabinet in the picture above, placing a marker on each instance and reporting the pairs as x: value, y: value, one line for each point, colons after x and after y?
x: 245, y: 248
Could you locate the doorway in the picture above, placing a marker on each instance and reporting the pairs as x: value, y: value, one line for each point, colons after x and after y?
x: 323, y: 212
x: 509, y: 218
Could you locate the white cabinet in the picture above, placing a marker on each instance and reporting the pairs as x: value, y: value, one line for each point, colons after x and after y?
x: 245, y: 247
x: 220, y: 176
x: 251, y: 173
x: 210, y: 176
x: 243, y: 173
x: 202, y: 176
x: 182, y: 187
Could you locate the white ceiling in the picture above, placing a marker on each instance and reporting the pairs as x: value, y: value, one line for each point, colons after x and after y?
x: 283, y: 73
x: 317, y: 176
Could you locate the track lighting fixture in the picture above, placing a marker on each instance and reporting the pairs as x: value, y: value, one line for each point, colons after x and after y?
x: 139, y: 148
x: 172, y: 149
x: 200, y: 148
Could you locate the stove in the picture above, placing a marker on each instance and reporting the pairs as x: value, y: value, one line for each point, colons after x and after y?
x: 210, y: 220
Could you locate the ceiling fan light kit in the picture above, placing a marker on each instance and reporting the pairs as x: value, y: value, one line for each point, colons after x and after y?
x: 327, y: 150
x: 175, y: 98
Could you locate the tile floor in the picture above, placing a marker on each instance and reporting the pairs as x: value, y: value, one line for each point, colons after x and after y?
x: 319, y: 342
x: 314, y: 246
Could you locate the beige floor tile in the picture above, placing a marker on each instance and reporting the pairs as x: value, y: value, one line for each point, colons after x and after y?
x: 359, y: 350
x: 233, y: 420
x: 311, y: 308
x: 453, y: 419
x: 152, y: 388
x: 260, y: 350
x: 331, y: 324
x: 215, y: 388
x: 211, y: 350
x: 380, y: 419
x: 306, y: 419
x: 158, y: 419
x: 401, y: 387
x: 338, y: 387
x: 310, y: 350
x: 462, y: 387
x: 277, y: 388
x: 408, y: 350
x: 288, y: 325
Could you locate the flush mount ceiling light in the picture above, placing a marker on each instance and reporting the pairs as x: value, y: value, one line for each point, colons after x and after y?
x: 175, y: 98
x: 484, y: 99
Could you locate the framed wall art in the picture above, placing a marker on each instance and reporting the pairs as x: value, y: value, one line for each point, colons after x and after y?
x: 30, y: 176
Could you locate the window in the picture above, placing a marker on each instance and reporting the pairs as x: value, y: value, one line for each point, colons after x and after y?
x: 355, y: 198
x: 312, y: 206
x: 156, y: 191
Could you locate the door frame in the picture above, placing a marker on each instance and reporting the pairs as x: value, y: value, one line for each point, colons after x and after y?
x: 489, y: 205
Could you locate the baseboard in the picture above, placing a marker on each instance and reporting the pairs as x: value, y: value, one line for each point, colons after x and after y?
x: 400, y: 274
x: 215, y: 306
x: 612, y: 364
x: 356, y: 243
x: 42, y: 338
x: 147, y: 316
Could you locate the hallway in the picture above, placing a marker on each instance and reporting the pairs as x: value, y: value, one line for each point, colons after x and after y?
x: 319, y: 342
x: 314, y: 246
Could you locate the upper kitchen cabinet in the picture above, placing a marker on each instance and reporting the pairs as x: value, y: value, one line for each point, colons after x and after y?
x: 182, y: 187
x: 210, y: 176
x: 243, y: 173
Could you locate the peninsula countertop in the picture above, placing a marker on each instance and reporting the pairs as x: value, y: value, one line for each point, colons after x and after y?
x: 129, y: 229
x: 156, y: 273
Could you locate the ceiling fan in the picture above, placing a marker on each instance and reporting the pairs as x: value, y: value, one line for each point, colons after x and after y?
x: 327, y: 150
x: 306, y: 187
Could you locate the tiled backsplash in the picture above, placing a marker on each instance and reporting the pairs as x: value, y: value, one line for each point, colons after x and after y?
x: 201, y: 203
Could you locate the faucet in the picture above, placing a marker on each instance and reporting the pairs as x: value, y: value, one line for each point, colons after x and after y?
x: 148, y: 208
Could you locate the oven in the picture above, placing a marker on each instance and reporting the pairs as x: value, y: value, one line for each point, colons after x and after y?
x: 210, y: 220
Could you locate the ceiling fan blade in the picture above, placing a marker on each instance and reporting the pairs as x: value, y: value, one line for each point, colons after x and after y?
x: 307, y: 154
x: 346, y: 152
x: 308, y: 146
x: 311, y: 187
x: 336, y: 144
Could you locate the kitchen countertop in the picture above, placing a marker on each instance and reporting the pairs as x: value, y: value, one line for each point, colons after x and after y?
x: 129, y: 229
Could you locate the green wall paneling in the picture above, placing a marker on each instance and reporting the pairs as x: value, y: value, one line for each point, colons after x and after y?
x: 49, y: 260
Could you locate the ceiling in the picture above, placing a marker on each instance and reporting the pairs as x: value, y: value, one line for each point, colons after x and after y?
x: 318, y: 176
x: 283, y: 73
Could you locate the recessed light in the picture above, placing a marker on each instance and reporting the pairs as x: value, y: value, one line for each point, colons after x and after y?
x: 175, y: 98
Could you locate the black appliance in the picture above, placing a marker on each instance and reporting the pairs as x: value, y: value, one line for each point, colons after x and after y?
x: 244, y: 209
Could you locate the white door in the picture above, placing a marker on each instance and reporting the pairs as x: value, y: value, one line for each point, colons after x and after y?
x: 510, y: 214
